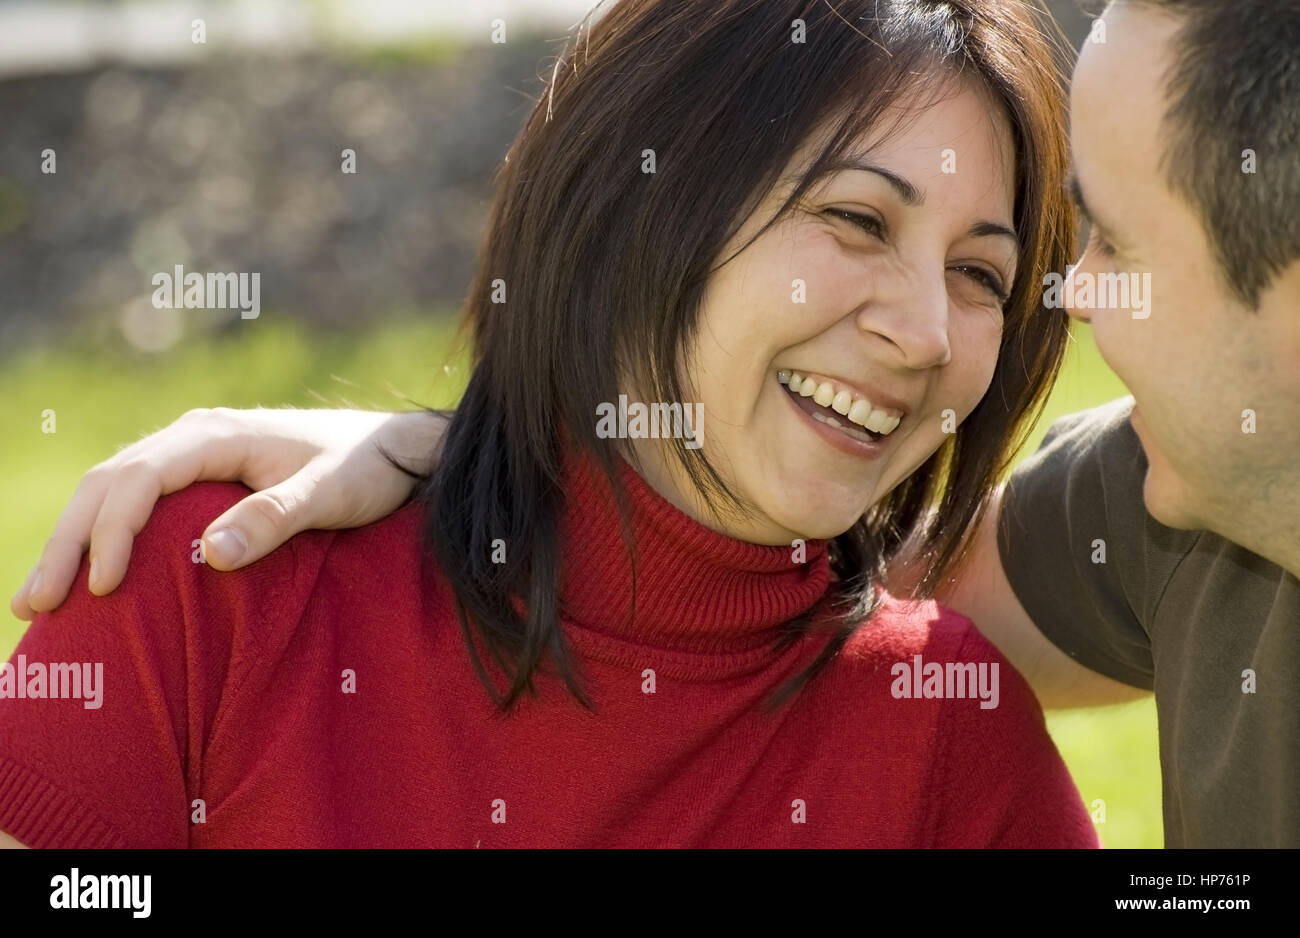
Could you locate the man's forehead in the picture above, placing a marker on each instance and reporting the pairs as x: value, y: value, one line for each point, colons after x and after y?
x: 1122, y: 74
x: 1117, y: 102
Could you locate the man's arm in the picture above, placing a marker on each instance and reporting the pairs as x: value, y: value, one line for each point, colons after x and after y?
x: 307, y: 469
x: 979, y: 590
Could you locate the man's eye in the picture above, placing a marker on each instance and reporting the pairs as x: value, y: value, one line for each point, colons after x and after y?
x: 871, y: 225
x: 1104, y: 247
x: 985, y: 279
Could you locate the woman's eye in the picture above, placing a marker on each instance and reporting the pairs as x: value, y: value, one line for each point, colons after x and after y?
x: 871, y: 225
x: 989, y: 281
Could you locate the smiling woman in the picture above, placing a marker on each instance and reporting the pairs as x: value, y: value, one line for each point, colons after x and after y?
x: 849, y: 213
x: 903, y: 315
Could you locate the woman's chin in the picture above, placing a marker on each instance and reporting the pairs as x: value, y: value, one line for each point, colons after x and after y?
x: 818, y: 523
x: 818, y: 507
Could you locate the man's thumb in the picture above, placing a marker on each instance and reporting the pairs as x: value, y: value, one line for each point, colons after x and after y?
x: 254, y: 527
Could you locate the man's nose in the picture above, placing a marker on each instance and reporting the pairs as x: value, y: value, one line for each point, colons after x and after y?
x: 1081, y: 313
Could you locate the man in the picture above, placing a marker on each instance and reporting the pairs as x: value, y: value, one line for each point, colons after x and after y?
x: 1160, y: 549
x: 1151, y: 551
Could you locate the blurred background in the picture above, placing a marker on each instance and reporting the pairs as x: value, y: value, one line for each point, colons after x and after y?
x: 224, y: 155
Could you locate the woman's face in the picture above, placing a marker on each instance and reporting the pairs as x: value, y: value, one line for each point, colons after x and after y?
x: 888, y: 323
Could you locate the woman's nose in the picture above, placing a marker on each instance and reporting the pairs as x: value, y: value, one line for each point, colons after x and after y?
x: 914, y: 320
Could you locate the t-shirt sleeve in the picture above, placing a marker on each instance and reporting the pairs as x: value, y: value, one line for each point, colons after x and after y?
x: 999, y: 780
x: 119, y: 764
x: 1085, y: 559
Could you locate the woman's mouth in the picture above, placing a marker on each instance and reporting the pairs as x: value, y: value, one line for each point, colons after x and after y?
x: 844, y: 410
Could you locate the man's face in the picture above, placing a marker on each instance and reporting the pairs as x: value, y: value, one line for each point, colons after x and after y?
x: 1200, y: 362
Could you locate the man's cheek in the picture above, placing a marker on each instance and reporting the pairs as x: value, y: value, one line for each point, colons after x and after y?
x: 1114, y: 341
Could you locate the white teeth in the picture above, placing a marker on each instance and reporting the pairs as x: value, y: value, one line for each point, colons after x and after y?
x: 859, y: 412
x: 829, y: 420
x: 876, y: 421
x: 850, y: 431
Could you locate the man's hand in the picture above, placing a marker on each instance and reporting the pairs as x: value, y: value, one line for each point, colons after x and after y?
x: 308, y: 469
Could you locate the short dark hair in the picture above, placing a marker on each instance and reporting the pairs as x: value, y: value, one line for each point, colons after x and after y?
x: 607, y: 267
x: 1235, y: 85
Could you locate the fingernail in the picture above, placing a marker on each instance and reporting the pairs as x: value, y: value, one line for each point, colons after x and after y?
x: 36, y: 583
x: 226, y: 546
x: 94, y: 571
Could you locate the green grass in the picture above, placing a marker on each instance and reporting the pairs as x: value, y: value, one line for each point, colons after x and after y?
x: 104, y: 397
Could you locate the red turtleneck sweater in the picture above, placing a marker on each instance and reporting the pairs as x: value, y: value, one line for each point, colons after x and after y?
x: 324, y: 697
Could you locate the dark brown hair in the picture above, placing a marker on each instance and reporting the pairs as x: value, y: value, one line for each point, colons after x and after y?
x: 1235, y: 85
x: 605, y: 265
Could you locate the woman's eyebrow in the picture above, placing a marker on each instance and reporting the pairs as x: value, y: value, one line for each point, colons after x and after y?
x: 983, y: 229
x: 910, y: 194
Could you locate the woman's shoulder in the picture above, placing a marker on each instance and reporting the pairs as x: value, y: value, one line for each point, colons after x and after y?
x: 922, y: 650
x: 902, y: 627
x: 270, y: 594
x: 167, y: 663
x: 979, y: 722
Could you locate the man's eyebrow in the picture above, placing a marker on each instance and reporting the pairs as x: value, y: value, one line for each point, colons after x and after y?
x: 909, y: 193
x: 1076, y: 193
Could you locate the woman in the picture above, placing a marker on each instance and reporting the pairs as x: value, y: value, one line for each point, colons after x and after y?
x: 823, y: 231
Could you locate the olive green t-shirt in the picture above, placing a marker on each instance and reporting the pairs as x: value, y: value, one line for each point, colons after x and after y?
x: 1212, y: 628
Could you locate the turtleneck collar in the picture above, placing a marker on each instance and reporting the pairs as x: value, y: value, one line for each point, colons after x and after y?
x: 706, y: 605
